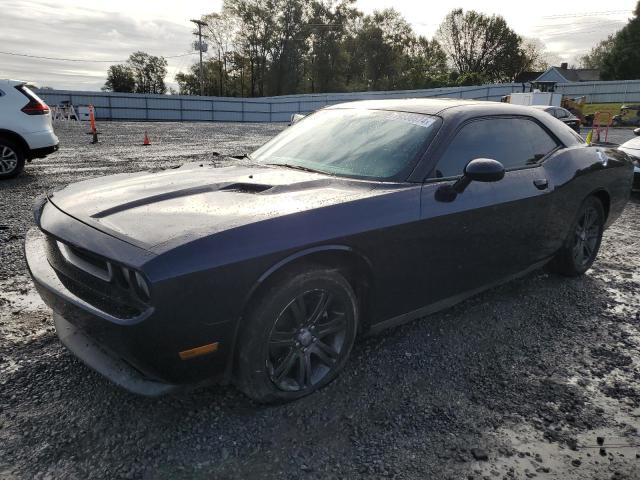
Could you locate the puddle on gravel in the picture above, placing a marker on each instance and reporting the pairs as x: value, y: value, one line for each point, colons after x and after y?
x: 19, y: 295
x: 595, y: 453
x: 23, y: 315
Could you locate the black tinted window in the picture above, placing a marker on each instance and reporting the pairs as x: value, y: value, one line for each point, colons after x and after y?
x: 515, y: 142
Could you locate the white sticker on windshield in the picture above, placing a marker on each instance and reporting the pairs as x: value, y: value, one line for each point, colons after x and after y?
x: 413, y: 118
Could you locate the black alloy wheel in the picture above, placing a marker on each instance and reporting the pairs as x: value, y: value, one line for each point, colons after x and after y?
x: 587, y: 237
x: 580, y: 249
x: 307, y: 340
x: 297, y: 335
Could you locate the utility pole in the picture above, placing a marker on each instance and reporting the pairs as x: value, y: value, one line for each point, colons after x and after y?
x: 201, y: 47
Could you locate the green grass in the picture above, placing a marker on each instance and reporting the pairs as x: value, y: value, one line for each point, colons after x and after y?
x: 613, y: 108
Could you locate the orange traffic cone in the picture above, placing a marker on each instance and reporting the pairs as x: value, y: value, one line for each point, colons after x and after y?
x: 146, y: 140
x: 92, y: 123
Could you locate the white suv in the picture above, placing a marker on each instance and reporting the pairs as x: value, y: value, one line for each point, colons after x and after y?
x: 26, y: 131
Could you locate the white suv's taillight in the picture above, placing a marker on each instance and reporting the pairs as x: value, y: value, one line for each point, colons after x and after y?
x: 35, y: 105
x: 35, y: 108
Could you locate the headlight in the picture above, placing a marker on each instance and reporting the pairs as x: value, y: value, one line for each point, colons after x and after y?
x: 142, y: 287
x: 135, y: 281
x: 38, y: 206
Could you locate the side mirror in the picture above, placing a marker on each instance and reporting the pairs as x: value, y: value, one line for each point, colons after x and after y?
x: 295, y: 118
x: 637, y: 131
x: 478, y: 170
x: 484, y: 170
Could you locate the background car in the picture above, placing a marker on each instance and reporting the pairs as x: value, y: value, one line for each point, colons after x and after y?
x: 629, y: 116
x: 26, y: 130
x: 359, y: 217
x: 632, y: 148
x: 561, y: 114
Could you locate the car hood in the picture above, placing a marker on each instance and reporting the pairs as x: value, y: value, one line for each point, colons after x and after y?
x: 633, y: 144
x: 153, y: 210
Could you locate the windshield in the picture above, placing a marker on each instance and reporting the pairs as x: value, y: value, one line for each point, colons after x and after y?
x: 352, y: 142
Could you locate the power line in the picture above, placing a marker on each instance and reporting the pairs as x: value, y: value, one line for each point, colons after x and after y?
x: 590, y: 14
x: 591, y: 29
x: 574, y: 24
x: 82, y: 59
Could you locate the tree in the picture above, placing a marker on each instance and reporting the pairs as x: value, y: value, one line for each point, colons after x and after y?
x: 471, y: 78
x: 254, y: 38
x: 531, y: 57
x: 189, y: 83
x: 425, y: 64
x: 327, y: 59
x: 143, y: 73
x: 477, y: 43
x: 120, y: 79
x: 382, y: 43
x: 622, y: 62
x: 535, y: 56
x: 275, y: 47
x: 221, y: 30
x: 149, y: 72
x: 595, y: 57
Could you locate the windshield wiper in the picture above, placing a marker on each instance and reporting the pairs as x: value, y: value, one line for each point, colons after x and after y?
x: 295, y: 167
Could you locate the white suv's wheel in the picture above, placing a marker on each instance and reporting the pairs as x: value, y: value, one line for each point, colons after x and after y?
x: 11, y: 159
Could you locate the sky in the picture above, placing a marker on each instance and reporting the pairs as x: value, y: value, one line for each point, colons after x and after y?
x: 98, y: 33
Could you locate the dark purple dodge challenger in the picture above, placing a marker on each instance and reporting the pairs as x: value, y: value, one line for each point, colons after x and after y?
x: 359, y: 217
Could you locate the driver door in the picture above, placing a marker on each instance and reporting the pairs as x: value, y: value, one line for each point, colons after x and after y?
x: 491, y: 230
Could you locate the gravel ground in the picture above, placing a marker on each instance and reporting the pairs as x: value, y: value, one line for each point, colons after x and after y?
x: 537, y: 378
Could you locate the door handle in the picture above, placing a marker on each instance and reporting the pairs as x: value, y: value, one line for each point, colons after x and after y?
x: 541, y: 183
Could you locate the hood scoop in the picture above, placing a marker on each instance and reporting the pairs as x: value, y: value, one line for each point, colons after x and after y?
x: 246, y: 188
x: 186, y: 192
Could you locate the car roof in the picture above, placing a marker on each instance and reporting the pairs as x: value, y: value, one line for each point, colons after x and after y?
x: 455, y: 111
x: 544, y: 107
x: 442, y: 106
x: 8, y: 81
x: 426, y: 106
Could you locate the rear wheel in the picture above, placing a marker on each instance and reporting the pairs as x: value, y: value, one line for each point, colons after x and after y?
x: 298, y: 337
x: 11, y: 159
x: 581, y: 247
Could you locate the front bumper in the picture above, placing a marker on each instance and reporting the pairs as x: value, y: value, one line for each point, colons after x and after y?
x: 105, y: 362
x: 140, y: 354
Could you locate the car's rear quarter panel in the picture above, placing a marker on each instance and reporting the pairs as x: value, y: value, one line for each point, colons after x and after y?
x: 574, y: 174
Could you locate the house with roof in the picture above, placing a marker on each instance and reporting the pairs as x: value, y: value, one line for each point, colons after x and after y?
x: 563, y: 74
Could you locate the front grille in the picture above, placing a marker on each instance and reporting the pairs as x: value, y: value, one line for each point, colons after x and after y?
x: 88, y: 262
x: 92, y: 279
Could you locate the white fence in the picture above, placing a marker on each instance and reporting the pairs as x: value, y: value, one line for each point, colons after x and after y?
x: 129, y: 106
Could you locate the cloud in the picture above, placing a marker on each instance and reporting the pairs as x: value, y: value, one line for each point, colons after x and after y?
x: 113, y: 29
x: 570, y: 38
x: 47, y: 30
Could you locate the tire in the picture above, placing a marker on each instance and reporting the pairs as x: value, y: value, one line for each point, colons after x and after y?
x: 297, y: 337
x: 580, y: 249
x: 11, y: 159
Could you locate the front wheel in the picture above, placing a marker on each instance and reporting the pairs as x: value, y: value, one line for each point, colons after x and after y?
x: 298, y: 337
x: 11, y: 159
x: 581, y: 247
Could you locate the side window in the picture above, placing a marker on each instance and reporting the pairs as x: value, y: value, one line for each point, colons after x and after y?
x: 515, y: 142
x: 561, y: 113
